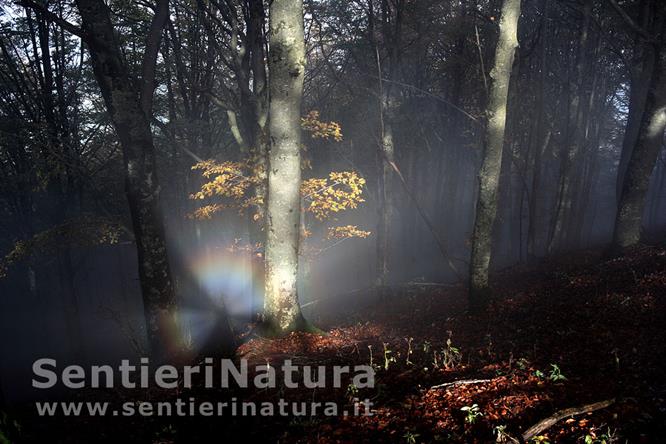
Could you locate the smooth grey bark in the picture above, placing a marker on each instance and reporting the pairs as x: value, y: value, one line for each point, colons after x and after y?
x: 282, y: 312
x: 644, y: 155
x: 128, y: 108
x: 489, y: 174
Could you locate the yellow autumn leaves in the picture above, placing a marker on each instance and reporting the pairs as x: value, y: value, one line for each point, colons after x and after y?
x: 346, y: 232
x: 321, y: 197
x: 231, y: 184
x: 230, y: 181
x: 319, y: 129
x: 339, y: 192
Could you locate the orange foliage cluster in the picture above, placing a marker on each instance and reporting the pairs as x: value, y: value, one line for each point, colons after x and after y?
x: 345, y: 232
x: 319, y: 129
x: 231, y: 184
x: 228, y: 180
x: 339, y: 192
x: 232, y: 181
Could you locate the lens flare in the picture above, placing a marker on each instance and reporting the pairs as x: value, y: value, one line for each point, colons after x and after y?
x: 226, y: 277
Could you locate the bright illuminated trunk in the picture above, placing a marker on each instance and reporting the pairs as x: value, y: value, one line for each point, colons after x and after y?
x: 486, y: 207
x: 282, y: 312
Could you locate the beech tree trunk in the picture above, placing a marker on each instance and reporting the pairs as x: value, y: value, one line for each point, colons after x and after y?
x: 643, y: 157
x: 641, y: 73
x: 486, y: 207
x: 282, y: 312
x: 128, y: 109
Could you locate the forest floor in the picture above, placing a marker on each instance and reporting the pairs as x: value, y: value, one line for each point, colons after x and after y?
x: 562, y: 334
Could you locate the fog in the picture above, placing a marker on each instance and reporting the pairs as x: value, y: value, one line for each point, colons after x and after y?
x: 82, y: 302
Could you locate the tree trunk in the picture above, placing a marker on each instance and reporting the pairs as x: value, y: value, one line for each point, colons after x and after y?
x: 128, y: 112
x: 641, y: 73
x: 386, y: 156
x: 655, y: 205
x: 391, y: 30
x: 575, y: 139
x: 486, y: 208
x: 259, y: 141
x: 643, y: 158
x: 282, y: 312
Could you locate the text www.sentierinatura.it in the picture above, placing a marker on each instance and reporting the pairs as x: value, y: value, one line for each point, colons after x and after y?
x: 191, y: 407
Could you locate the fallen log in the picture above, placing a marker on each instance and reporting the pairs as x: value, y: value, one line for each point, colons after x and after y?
x: 547, y: 423
x: 459, y: 382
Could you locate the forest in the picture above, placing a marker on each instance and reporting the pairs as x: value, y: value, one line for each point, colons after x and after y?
x: 332, y: 221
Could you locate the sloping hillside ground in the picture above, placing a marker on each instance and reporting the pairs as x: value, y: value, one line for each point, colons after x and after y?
x: 562, y: 335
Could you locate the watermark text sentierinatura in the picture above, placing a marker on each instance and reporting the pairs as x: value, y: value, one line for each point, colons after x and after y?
x: 224, y: 373
x: 191, y: 407
x: 227, y: 374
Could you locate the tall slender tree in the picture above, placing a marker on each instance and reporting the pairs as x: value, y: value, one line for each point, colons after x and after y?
x: 130, y: 111
x: 641, y: 69
x: 644, y: 155
x: 391, y: 24
x: 489, y: 174
x: 130, y: 106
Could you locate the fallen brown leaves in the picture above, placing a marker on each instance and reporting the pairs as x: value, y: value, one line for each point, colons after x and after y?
x: 600, y: 323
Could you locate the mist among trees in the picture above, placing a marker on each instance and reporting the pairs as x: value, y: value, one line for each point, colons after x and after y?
x: 467, y: 196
